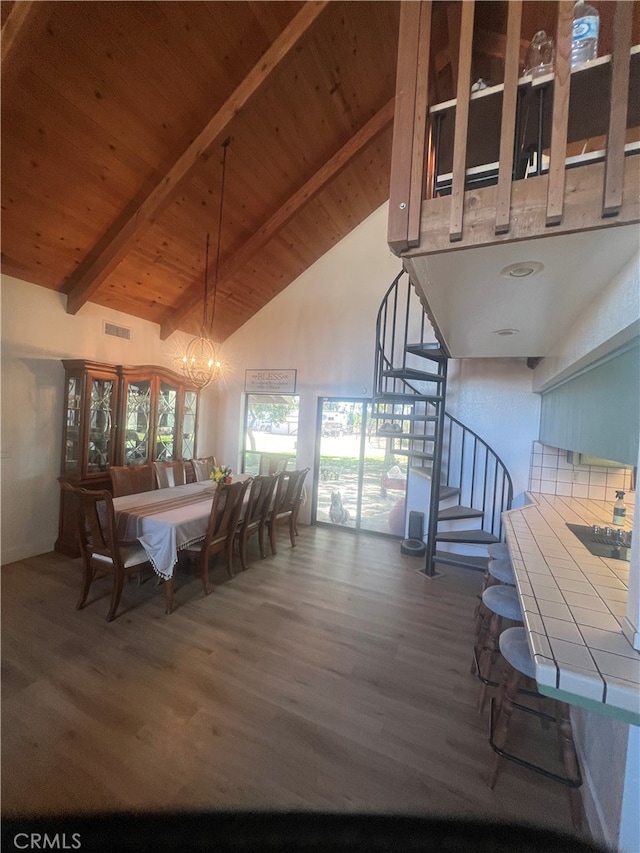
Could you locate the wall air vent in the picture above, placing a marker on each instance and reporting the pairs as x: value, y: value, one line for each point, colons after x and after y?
x: 117, y: 331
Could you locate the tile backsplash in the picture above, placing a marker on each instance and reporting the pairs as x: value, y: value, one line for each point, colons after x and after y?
x: 552, y: 474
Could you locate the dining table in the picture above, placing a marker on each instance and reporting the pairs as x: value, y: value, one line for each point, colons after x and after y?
x: 166, y: 520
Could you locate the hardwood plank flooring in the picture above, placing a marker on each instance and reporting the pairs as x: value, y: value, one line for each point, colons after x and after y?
x: 332, y: 676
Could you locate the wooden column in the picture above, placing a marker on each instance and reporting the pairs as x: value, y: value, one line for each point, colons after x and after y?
x: 403, y: 130
x: 421, y: 107
x: 614, y: 163
x: 462, y: 121
x: 509, y: 106
x: 560, y: 116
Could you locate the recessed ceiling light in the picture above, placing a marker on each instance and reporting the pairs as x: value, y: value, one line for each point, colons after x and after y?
x: 505, y: 333
x: 522, y: 269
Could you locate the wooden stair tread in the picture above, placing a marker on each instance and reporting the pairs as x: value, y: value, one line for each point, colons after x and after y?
x: 470, y: 537
x: 453, y: 512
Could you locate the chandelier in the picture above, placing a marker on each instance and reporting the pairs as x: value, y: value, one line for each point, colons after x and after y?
x: 201, y: 362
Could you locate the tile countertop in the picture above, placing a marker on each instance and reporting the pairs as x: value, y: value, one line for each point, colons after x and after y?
x: 573, y: 605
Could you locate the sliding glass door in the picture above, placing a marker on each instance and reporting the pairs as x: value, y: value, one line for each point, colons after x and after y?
x: 358, y: 484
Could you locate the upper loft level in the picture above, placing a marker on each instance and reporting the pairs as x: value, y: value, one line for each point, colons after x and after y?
x: 485, y: 155
x: 501, y: 137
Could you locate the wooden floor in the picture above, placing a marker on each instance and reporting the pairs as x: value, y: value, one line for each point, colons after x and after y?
x: 333, y: 676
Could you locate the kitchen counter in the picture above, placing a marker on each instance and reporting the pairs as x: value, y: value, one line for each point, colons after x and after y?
x: 573, y: 604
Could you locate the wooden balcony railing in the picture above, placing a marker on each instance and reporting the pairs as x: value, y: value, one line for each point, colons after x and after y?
x: 501, y: 163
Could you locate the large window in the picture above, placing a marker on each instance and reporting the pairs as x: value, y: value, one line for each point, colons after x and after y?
x: 271, y: 432
x: 359, y: 484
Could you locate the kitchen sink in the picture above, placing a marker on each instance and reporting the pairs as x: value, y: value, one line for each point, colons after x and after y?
x: 604, y: 541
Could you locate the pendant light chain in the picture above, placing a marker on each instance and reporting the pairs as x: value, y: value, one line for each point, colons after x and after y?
x: 201, y: 361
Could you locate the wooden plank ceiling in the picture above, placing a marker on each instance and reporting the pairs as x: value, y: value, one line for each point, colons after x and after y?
x: 113, y: 119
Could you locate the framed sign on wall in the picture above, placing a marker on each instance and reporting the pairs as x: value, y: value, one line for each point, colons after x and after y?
x: 270, y: 381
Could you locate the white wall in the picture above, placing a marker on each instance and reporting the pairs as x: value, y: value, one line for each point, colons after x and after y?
x: 493, y: 397
x: 36, y: 334
x: 611, y: 320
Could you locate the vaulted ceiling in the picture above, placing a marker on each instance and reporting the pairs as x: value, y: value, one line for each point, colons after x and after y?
x: 114, y: 116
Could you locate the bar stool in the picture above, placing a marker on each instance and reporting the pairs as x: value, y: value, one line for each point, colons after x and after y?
x: 519, y: 666
x: 499, y: 551
x: 502, y: 571
x: 498, y: 571
x: 498, y: 602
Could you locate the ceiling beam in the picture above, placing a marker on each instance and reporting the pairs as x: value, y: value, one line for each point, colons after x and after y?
x: 22, y: 25
x: 122, y: 237
x: 326, y: 173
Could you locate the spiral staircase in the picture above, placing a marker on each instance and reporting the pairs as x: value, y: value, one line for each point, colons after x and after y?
x: 469, y: 485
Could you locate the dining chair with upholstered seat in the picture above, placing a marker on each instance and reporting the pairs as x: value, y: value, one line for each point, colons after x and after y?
x: 131, y: 479
x: 254, y: 519
x: 286, y: 505
x: 228, y: 500
x: 100, y: 549
x: 203, y: 467
x: 169, y: 474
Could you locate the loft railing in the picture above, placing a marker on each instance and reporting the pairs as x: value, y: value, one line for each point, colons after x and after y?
x: 518, y: 128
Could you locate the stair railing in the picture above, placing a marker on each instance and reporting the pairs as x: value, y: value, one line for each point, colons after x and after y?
x: 400, y: 318
x: 461, y: 458
x: 470, y: 465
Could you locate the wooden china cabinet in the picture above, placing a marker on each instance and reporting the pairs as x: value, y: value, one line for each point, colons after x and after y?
x: 116, y: 415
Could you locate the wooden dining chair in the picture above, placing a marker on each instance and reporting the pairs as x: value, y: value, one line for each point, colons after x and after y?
x: 286, y: 505
x: 131, y: 479
x: 100, y: 549
x: 169, y: 474
x: 254, y: 519
x: 203, y: 467
x: 272, y: 464
x: 228, y: 500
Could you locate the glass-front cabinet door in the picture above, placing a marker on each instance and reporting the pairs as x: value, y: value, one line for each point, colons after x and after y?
x: 71, y: 444
x: 189, y: 414
x: 102, y: 398
x: 88, y: 436
x: 167, y: 423
x: 158, y: 417
x: 137, y: 421
x: 89, y: 420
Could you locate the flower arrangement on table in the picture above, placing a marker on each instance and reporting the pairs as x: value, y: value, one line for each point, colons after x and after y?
x: 221, y: 474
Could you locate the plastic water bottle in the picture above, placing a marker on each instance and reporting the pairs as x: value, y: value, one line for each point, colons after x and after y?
x: 584, y: 36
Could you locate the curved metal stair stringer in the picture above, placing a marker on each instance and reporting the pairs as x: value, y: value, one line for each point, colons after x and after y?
x: 410, y: 378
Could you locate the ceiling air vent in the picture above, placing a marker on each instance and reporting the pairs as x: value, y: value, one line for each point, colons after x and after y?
x: 117, y: 331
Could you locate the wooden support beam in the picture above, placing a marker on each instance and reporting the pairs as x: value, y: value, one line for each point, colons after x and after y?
x: 560, y: 116
x: 509, y: 106
x: 340, y: 160
x: 421, y: 112
x: 463, y: 93
x: 22, y: 25
x: 122, y: 236
x: 403, y: 130
x: 614, y: 163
